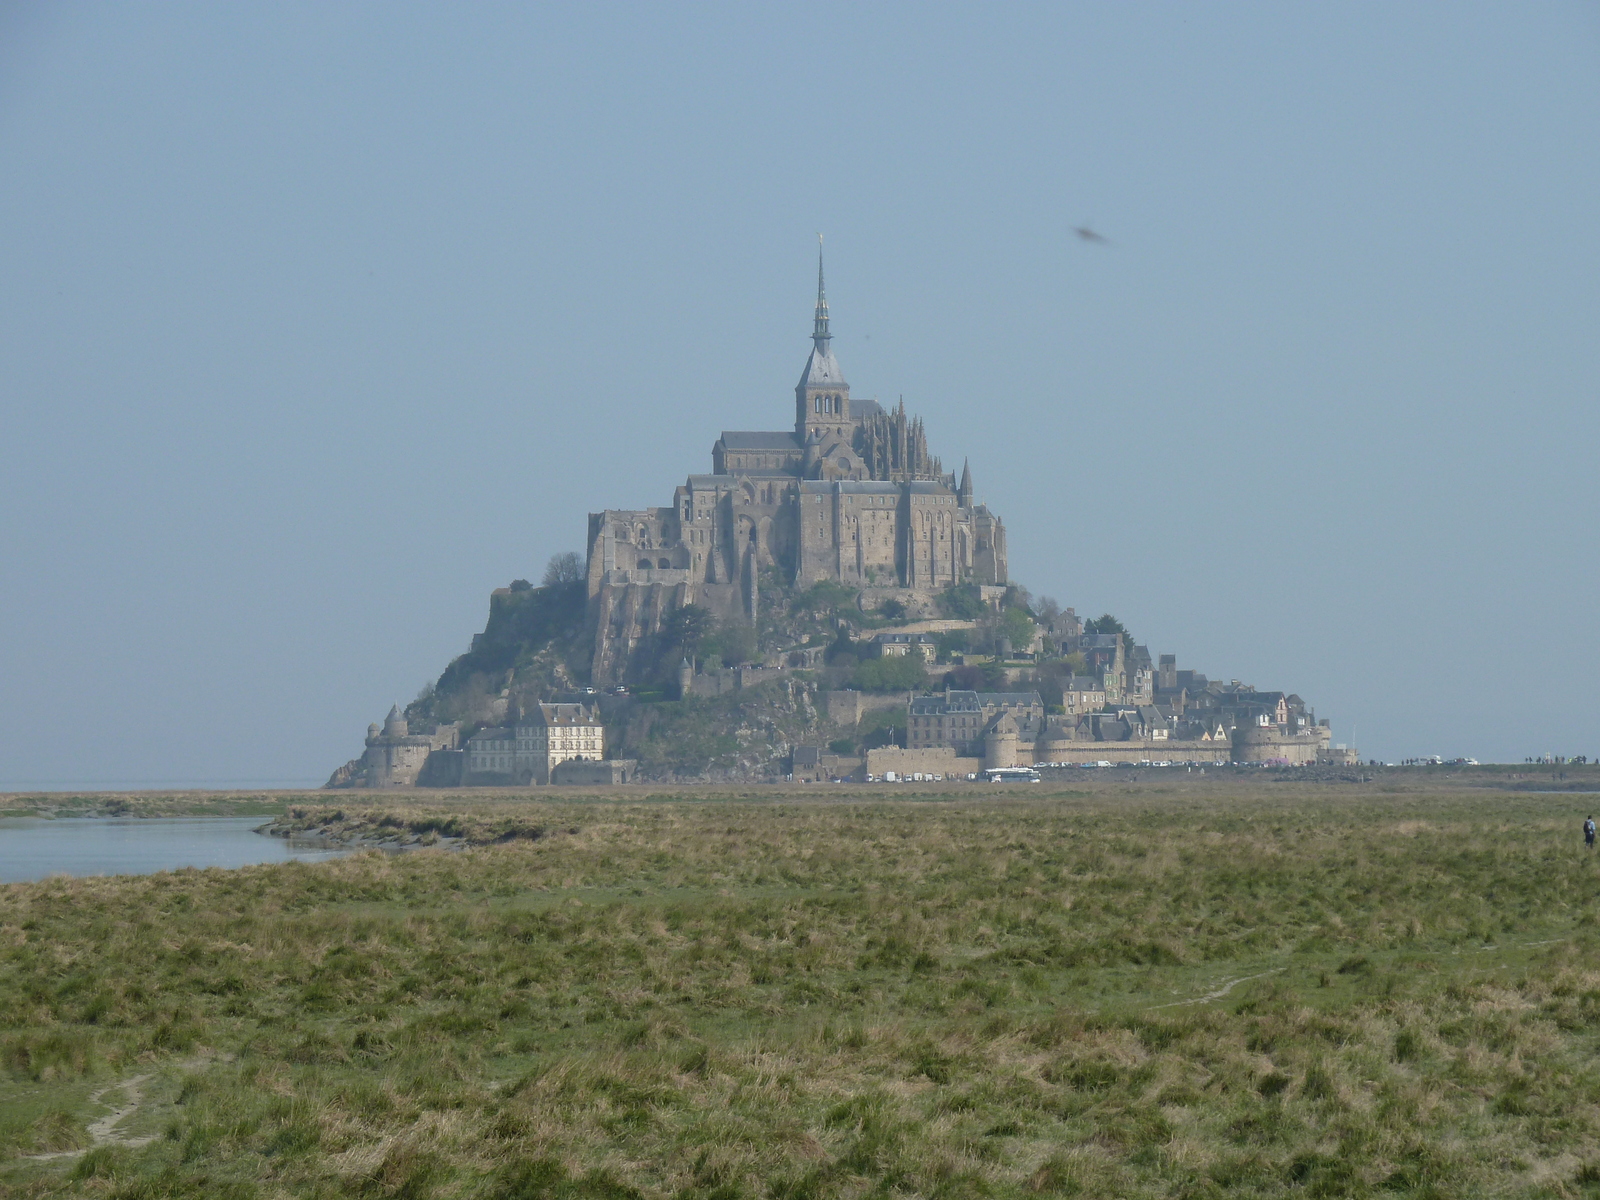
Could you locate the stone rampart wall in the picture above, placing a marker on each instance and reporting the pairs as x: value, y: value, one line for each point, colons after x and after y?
x: 1267, y: 744
x: 1135, y: 752
x: 933, y: 760
x: 848, y: 707
x: 607, y: 772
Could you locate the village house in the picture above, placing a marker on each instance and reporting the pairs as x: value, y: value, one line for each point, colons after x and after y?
x: 900, y: 645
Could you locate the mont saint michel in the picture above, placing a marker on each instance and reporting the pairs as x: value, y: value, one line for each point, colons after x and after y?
x: 850, y: 495
x: 828, y: 601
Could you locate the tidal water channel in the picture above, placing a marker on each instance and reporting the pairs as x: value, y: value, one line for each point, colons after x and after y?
x: 34, y: 848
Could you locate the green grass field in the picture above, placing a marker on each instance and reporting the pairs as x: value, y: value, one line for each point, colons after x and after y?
x: 1235, y: 992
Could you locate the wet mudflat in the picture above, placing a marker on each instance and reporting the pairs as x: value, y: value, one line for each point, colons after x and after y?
x: 34, y: 848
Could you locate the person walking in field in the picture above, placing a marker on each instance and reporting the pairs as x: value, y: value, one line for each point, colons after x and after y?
x: 1588, y: 832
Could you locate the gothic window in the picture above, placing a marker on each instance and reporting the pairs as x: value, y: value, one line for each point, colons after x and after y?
x: 665, y: 565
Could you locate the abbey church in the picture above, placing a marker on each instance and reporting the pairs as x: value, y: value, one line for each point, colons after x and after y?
x: 850, y: 494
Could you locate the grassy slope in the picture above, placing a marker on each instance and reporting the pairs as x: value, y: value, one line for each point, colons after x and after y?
x: 993, y: 997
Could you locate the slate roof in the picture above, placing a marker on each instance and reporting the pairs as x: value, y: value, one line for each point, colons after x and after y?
x: 850, y: 487
x: 1004, y: 699
x: 822, y: 370
x: 957, y: 700
x: 761, y: 439
x: 952, y: 701
x: 561, y: 714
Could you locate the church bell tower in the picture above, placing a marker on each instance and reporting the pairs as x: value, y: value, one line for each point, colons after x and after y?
x: 822, y: 397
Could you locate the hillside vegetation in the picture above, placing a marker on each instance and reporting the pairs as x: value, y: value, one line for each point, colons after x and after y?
x: 536, y: 646
x: 1141, y: 994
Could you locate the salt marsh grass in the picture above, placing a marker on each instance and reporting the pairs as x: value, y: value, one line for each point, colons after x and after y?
x: 1111, y: 995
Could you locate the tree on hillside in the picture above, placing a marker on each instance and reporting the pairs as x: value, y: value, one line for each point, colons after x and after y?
x: 564, y: 568
x: 964, y: 602
x: 1018, y: 627
x: 981, y: 677
x: 685, y: 628
x: 825, y: 597
x: 734, y: 642
x: 891, y: 674
x: 1017, y: 596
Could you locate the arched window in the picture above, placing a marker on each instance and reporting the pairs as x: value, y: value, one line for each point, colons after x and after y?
x: 665, y: 565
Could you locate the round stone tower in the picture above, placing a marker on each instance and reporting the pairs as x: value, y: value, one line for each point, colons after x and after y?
x: 394, y: 725
x: 1000, y: 744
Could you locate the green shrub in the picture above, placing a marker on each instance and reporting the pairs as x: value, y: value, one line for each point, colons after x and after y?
x: 964, y: 602
x: 905, y: 673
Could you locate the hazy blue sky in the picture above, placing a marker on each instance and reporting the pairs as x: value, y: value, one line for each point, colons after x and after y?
x: 317, y: 322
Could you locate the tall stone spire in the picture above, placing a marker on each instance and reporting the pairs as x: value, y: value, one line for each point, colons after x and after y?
x: 819, y: 330
x: 964, y: 492
x: 822, y: 398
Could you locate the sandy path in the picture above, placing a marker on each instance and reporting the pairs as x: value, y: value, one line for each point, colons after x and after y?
x: 104, y: 1131
x: 1227, y: 986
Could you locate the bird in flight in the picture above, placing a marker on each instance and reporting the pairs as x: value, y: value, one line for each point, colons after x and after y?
x: 1085, y: 234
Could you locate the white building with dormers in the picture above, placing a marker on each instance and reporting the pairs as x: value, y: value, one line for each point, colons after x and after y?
x: 531, y: 749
